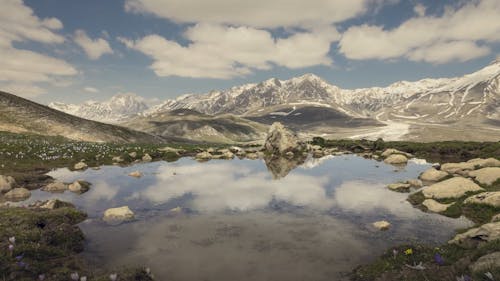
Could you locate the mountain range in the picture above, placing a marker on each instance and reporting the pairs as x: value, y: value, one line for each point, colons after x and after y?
x: 427, y: 109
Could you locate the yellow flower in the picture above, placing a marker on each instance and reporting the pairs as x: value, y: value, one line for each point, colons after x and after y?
x: 408, y: 252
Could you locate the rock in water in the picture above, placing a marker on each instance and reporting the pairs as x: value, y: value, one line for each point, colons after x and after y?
x: 57, y: 186
x: 79, y: 186
x: 451, y: 188
x: 117, y: 215
x: 434, y: 206
x: 6, y: 183
x: 147, y: 158
x: 280, y: 140
x: 382, y: 225
x: 80, y: 166
x: 396, y: 159
x: 135, y: 174
x: 433, y: 175
x: 17, y: 194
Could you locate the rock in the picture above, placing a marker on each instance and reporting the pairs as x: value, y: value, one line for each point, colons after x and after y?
x: 486, y: 176
x: 6, y: 183
x: 415, y: 183
x: 17, y: 194
x: 117, y: 159
x: 79, y: 186
x: 451, y: 188
x: 211, y: 150
x: 390, y: 151
x: 205, y: 155
x: 486, y: 263
x: 135, y: 174
x: 172, y: 150
x: 396, y: 159
x: 227, y: 155
x: 118, y: 214
x: 147, y: 158
x: 470, y: 165
x: 434, y: 206
x: 433, y: 175
x: 495, y: 218
x: 132, y: 154
x: 485, y: 198
x: 486, y: 232
x: 56, y: 186
x: 80, y: 166
x: 382, y: 225
x: 53, y: 204
x: 252, y: 156
x: 236, y: 149
x: 399, y: 186
x: 289, y: 154
x: 280, y: 140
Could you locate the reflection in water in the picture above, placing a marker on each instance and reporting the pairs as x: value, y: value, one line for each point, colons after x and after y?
x: 239, y: 223
x: 281, y: 166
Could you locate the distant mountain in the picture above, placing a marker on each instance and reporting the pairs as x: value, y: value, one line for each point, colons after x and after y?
x: 19, y: 115
x: 308, y: 103
x: 114, y: 110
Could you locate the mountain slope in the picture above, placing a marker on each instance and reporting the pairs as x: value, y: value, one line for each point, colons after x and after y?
x: 20, y: 115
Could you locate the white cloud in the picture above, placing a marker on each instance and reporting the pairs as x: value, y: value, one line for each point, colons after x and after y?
x: 218, y: 51
x: 22, y: 69
x: 459, y: 34
x: 257, y: 13
x: 91, y: 90
x: 94, y: 48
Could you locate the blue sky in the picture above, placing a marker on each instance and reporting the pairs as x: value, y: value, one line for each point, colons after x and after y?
x: 71, y: 51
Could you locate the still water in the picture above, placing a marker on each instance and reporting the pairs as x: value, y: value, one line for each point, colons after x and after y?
x: 251, y: 220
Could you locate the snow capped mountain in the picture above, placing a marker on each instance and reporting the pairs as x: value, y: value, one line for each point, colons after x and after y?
x: 427, y: 99
x: 114, y: 110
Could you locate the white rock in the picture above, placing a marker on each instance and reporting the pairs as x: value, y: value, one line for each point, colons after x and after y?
x: 118, y: 214
x: 117, y: 159
x: 17, y: 194
x: 486, y: 263
x: 390, y: 151
x: 485, y: 198
x: 252, y: 156
x: 399, y: 186
x: 80, y: 166
x: 415, y: 183
x: 132, y: 154
x: 396, y: 159
x: 135, y: 174
x: 79, y: 186
x: 382, y: 225
x: 56, y: 186
x: 433, y: 175
x: 487, y: 175
x: 451, y: 188
x: 6, y: 183
x: 205, y: 155
x: 470, y: 165
x: 147, y: 158
x: 434, y: 206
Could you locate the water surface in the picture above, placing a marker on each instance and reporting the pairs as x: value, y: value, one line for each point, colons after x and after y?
x: 241, y: 221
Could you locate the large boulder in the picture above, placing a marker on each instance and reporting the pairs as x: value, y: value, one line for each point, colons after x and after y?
x: 396, y: 159
x: 451, y: 188
x: 486, y: 263
x: 79, y: 186
x: 57, y: 186
x: 470, y: 165
x: 17, y: 194
x: 486, y: 176
x: 6, y: 183
x: 280, y: 140
x: 433, y: 175
x: 120, y: 214
x: 434, y: 206
x: 485, y: 198
x: 486, y: 232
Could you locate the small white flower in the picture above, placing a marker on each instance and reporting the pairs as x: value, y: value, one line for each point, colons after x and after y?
x: 12, y: 240
x: 11, y: 247
x: 113, y: 277
x: 74, y: 276
x: 83, y: 278
x: 489, y: 275
x: 41, y: 277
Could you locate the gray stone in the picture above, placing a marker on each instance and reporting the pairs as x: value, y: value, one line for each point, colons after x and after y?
x: 390, y: 151
x: 396, y: 159
x: 118, y: 214
x: 147, y: 158
x: 433, y: 175
x: 57, y: 186
x: 486, y: 263
x: 382, y: 225
x: 485, y: 198
x: 486, y: 176
x: 486, y: 232
x: 53, y: 204
x: 79, y: 186
x: 280, y: 140
x: 6, y: 183
x: 80, y: 166
x: 415, y: 183
x: 17, y: 194
x: 205, y: 155
x: 434, y: 206
x: 451, y: 188
x: 399, y: 186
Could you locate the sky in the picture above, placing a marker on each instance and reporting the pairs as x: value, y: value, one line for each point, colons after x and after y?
x: 72, y: 51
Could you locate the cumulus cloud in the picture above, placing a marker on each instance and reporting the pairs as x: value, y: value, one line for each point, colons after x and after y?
x: 94, y: 48
x: 257, y: 13
x: 459, y: 34
x: 217, y: 51
x: 22, y: 69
